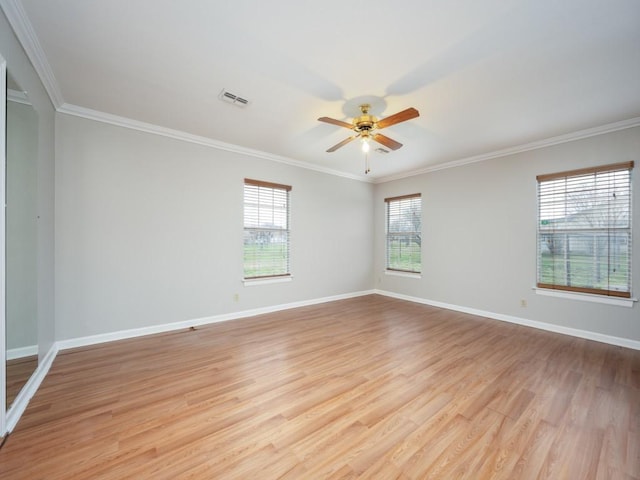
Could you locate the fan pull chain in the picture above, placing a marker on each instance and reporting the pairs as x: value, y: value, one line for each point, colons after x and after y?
x: 367, y: 168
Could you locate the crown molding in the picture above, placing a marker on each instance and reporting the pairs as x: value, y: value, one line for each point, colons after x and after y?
x: 568, y: 137
x: 116, y: 120
x: 23, y: 29
x: 103, y: 117
x: 17, y: 97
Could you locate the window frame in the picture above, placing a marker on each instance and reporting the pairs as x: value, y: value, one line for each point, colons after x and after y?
x: 277, y: 189
x: 408, y: 233
x: 609, y: 233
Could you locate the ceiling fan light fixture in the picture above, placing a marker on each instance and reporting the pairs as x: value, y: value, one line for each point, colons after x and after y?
x: 365, y: 144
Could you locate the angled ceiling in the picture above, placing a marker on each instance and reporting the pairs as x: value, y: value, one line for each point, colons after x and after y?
x: 486, y: 75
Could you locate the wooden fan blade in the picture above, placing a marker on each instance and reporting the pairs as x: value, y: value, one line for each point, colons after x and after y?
x: 342, y: 143
x: 333, y: 121
x: 402, y: 116
x: 386, y: 141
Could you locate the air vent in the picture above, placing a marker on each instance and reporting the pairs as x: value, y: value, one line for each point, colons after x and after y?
x: 233, y: 98
x: 382, y: 150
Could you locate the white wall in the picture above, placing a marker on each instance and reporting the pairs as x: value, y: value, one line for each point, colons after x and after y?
x: 479, y: 235
x: 21, y: 226
x: 23, y: 72
x: 149, y: 231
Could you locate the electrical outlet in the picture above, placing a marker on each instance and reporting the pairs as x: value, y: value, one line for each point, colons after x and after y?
x: 523, y: 303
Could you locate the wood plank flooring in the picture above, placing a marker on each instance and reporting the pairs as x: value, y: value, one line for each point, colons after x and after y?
x: 19, y: 370
x: 370, y: 387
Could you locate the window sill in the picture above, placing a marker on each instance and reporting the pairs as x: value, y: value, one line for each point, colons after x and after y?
x: 396, y: 273
x: 265, y: 281
x: 586, y: 297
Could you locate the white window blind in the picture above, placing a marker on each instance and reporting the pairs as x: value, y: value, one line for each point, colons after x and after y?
x: 584, y: 230
x: 404, y: 233
x: 266, y: 229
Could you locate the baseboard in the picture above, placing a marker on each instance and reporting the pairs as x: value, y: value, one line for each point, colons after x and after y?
x: 22, y: 352
x: 196, y: 322
x: 21, y: 401
x: 574, y: 332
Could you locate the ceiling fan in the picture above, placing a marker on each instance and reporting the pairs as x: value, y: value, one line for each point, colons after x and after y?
x: 365, y: 126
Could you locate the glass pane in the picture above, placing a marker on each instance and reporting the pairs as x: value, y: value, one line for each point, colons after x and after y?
x: 404, y: 252
x: 266, y: 252
x: 590, y: 260
x: 619, y: 262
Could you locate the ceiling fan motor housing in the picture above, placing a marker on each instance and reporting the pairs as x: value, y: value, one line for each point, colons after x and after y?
x: 365, y: 122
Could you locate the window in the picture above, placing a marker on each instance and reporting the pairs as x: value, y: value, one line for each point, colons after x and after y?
x: 404, y: 233
x: 584, y: 230
x: 266, y: 229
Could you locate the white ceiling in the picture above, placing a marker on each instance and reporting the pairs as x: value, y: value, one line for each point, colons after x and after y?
x: 486, y: 75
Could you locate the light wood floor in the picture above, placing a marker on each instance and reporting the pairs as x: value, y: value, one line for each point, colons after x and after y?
x: 370, y: 387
